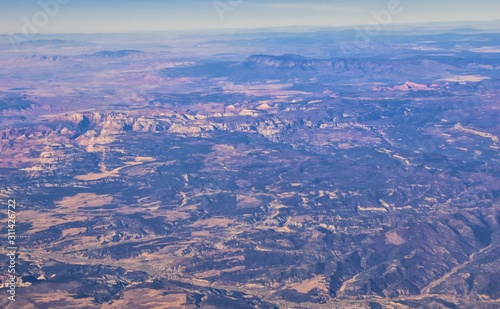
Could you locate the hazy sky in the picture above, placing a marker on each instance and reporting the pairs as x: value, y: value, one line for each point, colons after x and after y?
x: 96, y: 16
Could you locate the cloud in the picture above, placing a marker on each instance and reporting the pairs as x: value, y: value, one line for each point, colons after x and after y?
x: 485, y: 49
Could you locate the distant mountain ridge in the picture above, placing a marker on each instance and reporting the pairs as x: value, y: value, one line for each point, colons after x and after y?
x: 116, y: 54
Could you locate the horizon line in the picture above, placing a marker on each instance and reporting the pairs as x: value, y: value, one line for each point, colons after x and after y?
x: 216, y: 29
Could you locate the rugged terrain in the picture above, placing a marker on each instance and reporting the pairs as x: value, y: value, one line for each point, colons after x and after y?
x: 299, y: 177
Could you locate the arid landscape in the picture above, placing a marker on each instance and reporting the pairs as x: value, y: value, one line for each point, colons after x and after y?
x: 257, y: 170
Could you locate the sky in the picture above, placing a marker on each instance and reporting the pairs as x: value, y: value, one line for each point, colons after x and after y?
x: 108, y: 16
